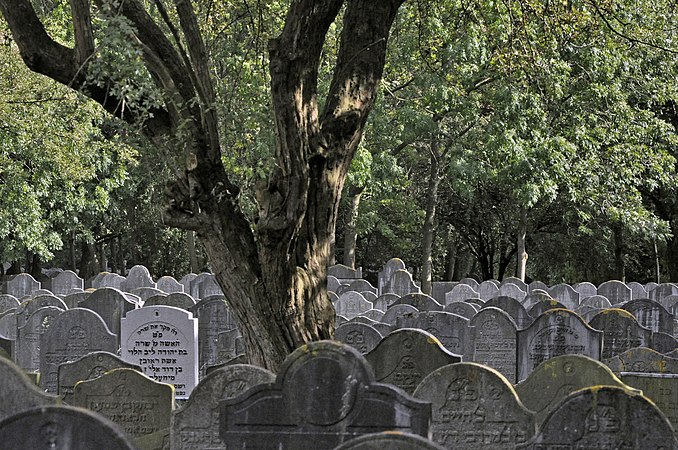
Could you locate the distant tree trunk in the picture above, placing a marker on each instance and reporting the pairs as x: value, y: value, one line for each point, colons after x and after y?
x: 619, y: 252
x: 429, y: 219
x: 672, y: 252
x: 115, y: 255
x: 351, y: 230
x: 71, y: 251
x: 103, y: 260
x: 521, y: 252
x: 14, y: 268
x: 192, y: 253
x: 656, y: 259
x: 451, y: 258
x: 88, y: 261
x: 35, y: 266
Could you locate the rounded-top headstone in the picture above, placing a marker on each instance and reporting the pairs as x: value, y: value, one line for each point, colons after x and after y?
x: 19, y: 393
x: 138, y: 276
x: 389, y: 440
x: 420, y: 301
x: 360, y: 336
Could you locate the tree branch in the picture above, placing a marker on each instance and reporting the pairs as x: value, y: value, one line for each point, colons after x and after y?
x: 82, y: 27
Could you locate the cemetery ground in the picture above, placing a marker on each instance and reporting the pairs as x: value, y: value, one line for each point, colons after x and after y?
x: 135, y: 363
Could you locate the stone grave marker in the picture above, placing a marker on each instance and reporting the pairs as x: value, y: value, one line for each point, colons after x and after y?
x: 360, y: 336
x: 163, y: 341
x: 340, y: 320
x: 395, y: 311
x: 663, y: 342
x: 351, y: 304
x: 565, y: 294
x: 169, y: 285
x: 637, y: 290
x: 389, y: 441
x: 111, y: 280
x: 621, y: 332
x: 8, y: 328
x: 385, y: 273
x: 475, y: 302
x: 515, y: 281
x: 209, y: 287
x: 669, y: 302
x: 513, y: 308
x: 20, y: 285
x: 604, y: 417
x: 406, y: 356
x: 450, y: 329
x: 383, y: 328
x: 333, y: 296
x: 373, y: 314
x: 488, y: 290
x: 186, y: 281
x: 534, y: 297
x: 136, y: 403
x: 461, y: 309
x: 27, y: 344
x: 333, y: 283
x: 383, y: 302
x: 62, y: 427
x: 471, y: 282
x: 663, y: 290
x: 74, y: 299
x: 440, y: 288
x: 65, y: 282
x: 540, y: 308
x: 362, y: 286
x: 586, y: 289
x: 176, y: 299
x: 494, y: 341
x: 400, y: 283
x: 474, y: 407
x: 596, y: 301
x: 87, y: 367
x: 460, y: 293
x: 644, y: 360
x: 196, y: 425
x: 229, y: 346
x: 650, y: 285
x: 555, y: 379
x: 19, y: 393
x: 554, y: 333
x: 650, y: 314
x: 363, y: 319
x: 662, y: 389
x: 616, y: 291
x: 344, y: 272
x: 110, y: 304
x: 27, y: 308
x: 369, y: 296
x: 138, y: 276
x: 323, y: 395
x: 72, y: 334
x: 144, y: 293
x: 537, y: 285
x: 512, y: 290
x: 214, y: 316
x: 8, y: 302
x: 420, y: 301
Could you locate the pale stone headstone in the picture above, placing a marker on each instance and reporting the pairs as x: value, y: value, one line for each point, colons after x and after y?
x: 8, y: 328
x: 138, y: 276
x: 642, y: 359
x: 460, y: 293
x: 144, y: 293
x: 333, y: 283
x: 494, y: 341
x: 512, y: 290
x: 8, y: 302
x: 362, y: 286
x: 586, y: 289
x: 196, y: 425
x: 27, y: 345
x: 390, y: 441
x: 513, y: 308
x: 488, y: 290
x: 537, y: 285
x: 662, y: 389
x: 650, y: 314
x: 450, y: 329
x: 323, y: 395
x: 461, y: 309
x: 186, y: 281
x: 87, y: 367
x: 65, y: 282
x: 351, y: 304
x: 650, y: 286
x: 392, y: 314
x: 514, y: 280
x: 169, y: 285
x: 163, y: 341
x: 19, y: 393
x: 554, y: 333
x: 72, y: 334
x: 214, y: 316
x: 566, y: 295
x: 209, y: 287
x: 596, y: 301
x: 637, y: 290
x: 555, y: 379
x: 374, y: 314
x: 110, y: 280
x: 334, y: 297
x: 406, y: 356
x: 663, y: 290
x: 616, y: 291
x: 604, y: 418
x: 20, y: 285
x: 344, y: 272
x: 621, y: 332
x: 383, y: 302
x: 385, y: 273
x: 420, y: 301
x: 475, y: 407
x: 669, y: 302
x: 62, y: 427
x: 369, y: 296
x: 110, y: 304
x: 176, y: 299
x: 360, y: 336
x: 400, y: 283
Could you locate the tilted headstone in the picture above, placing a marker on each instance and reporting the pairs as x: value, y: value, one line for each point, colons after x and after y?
x: 196, y: 425
x: 637, y: 290
x: 65, y: 282
x: 351, y: 304
x: 513, y: 308
x: 586, y: 289
x: 512, y: 290
x: 27, y: 308
x: 555, y: 379
x: 390, y: 441
x: 616, y: 291
x: 621, y: 332
x: 136, y: 403
x: 72, y: 334
x: 650, y: 314
x: 20, y: 285
x: 163, y: 341
x: 406, y: 356
x: 604, y: 418
x: 461, y: 309
x: 420, y: 301
x: 27, y: 345
x: 494, y: 341
x: 554, y: 333
x: 475, y: 407
x: 587, y: 312
x: 450, y: 329
x: 87, y: 367
x: 488, y: 290
x: 138, y: 276
x: 642, y: 359
x: 596, y: 301
x: 471, y: 282
x: 385, y: 273
x: 360, y: 336
x: 110, y: 304
x: 334, y: 297
x: 661, y: 388
x: 169, y: 285
x: 19, y: 393
x: 400, y: 283
x: 566, y: 295
x: 214, y: 317
x: 384, y: 301
x: 460, y: 293
x: 323, y: 395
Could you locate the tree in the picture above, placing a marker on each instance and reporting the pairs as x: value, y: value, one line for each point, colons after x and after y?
x: 273, y: 272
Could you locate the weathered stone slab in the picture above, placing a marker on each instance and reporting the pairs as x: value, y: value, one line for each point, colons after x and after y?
x: 21, y: 285
x: 110, y: 304
x: 650, y: 314
x: 450, y: 329
x: 604, y: 418
x: 663, y: 290
x: 420, y: 301
x: 475, y: 407
x: 65, y: 282
x: 374, y: 314
x: 538, y: 285
x: 209, y: 287
x: 88, y: 367
x: 144, y: 293
x: 555, y: 379
x: 19, y: 393
x: 27, y: 344
x: 163, y: 341
x: 460, y: 293
x: 406, y: 356
x: 138, y: 404
x: 400, y: 283
x: 27, y: 308
x: 513, y: 308
x: 616, y: 291
x: 596, y: 301
x: 229, y: 344
x: 513, y: 291
x: 540, y: 308
x: 169, y: 285
x: 71, y: 335
x: 384, y: 301
x: 663, y: 342
x: 362, y: 286
x: 72, y: 300
x: 494, y: 341
x: 515, y: 281
x: 333, y: 283
x: 389, y: 441
x: 8, y: 328
x: 488, y: 290
x: 8, y: 302
x: 554, y: 333
x: 176, y: 299
x: 440, y: 288
x: 344, y: 272
x: 534, y: 297
x: 324, y: 395
x: 391, y: 266
x: 621, y: 331
x: 662, y: 389
x: 585, y: 289
x: 138, y: 276
x: 360, y: 336
x: 196, y: 425
x: 566, y: 295
x: 643, y: 360
x: 637, y: 290
x: 369, y: 296
x: 214, y: 317
x: 463, y: 309
x: 392, y: 314
x: 351, y: 304
x: 186, y: 281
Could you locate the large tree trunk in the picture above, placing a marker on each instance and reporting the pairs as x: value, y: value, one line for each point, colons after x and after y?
x: 429, y: 220
x: 521, y: 254
x: 351, y: 230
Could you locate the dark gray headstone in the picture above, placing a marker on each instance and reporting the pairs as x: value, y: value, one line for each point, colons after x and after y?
x: 65, y: 282
x: 616, y: 291
x: 650, y: 314
x: 19, y: 393
x: 196, y: 425
x: 110, y: 304
x: 663, y: 342
x: 644, y: 360
x: 333, y: 284
x: 384, y: 301
x: 209, y: 287
x: 20, y: 285
x: 8, y: 302
x: 74, y: 299
x: 494, y: 341
x: 138, y: 276
x: 461, y: 309
x: 27, y: 308
x: 540, y: 308
x: 392, y: 314
x: 374, y: 314
x: 488, y: 290
x: 663, y: 290
x: 538, y: 285
x: 450, y: 329
x: 513, y: 308
x: 363, y: 286
x: 324, y: 395
x: 566, y: 295
x: 27, y: 345
x: 169, y: 285
x: 110, y: 280
x: 420, y: 301
x: 360, y: 336
x: 214, y: 317
x: 621, y: 332
x: 343, y: 272
x: 144, y: 293
x: 513, y: 290
x: 229, y: 344
x: 661, y: 388
x: 177, y: 299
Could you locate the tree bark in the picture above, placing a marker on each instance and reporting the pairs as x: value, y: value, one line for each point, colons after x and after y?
x: 429, y: 219
x: 192, y: 254
x: 521, y: 252
x: 351, y: 230
x: 619, y: 253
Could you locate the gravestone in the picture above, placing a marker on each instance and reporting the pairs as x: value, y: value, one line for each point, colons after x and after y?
x: 138, y: 404
x: 362, y: 286
x: 440, y: 288
x: 662, y: 389
x: 214, y: 317
x: 369, y: 296
x: 586, y: 289
x: 72, y: 334
x: 61, y: 428
x: 169, y: 285
x: 621, y: 332
x: 334, y: 297
x: 400, y: 283
x: 513, y: 308
x: 373, y: 314
x: 176, y: 299
x: 209, y: 287
x: 323, y: 395
x: 186, y: 281
x: 87, y: 367
x: 138, y: 276
x: 554, y: 333
x: 663, y: 342
x: 541, y: 307
x: 351, y: 304
x: 650, y: 314
x: 384, y: 301
x: 513, y: 291
x: 515, y: 281
x: 8, y: 302
x: 644, y: 360
x: 19, y: 393
x: 420, y: 301
x: 555, y: 379
x: 27, y: 308
x: 663, y: 290
x: 163, y: 341
x: 649, y: 286
x: 461, y: 309
x: 494, y: 341
x: 110, y: 280
x: 474, y: 407
x: 406, y: 356
x: 360, y: 336
x: 538, y: 285
x: 343, y: 272
x: 472, y: 282
x: 392, y: 314
x: 565, y: 294
x: 363, y: 319
x: 616, y: 291
x: 110, y: 304
x: 144, y: 293
x: 385, y: 273
x: 333, y: 284
x: 669, y: 302
x: 604, y: 417
x: 534, y: 297
x: 389, y: 441
x: 596, y: 301
x: 27, y: 344
x: 72, y: 300
x: 196, y: 425
x: 229, y: 346
x: 21, y: 285
x: 450, y: 329
x: 488, y: 290
x: 65, y: 282
x: 460, y: 293
x: 8, y: 328
x: 637, y: 290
